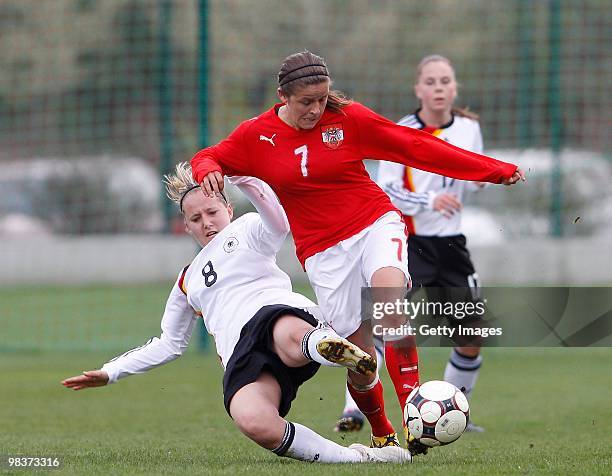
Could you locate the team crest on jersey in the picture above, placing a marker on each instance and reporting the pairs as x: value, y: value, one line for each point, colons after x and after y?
x: 231, y: 244
x: 332, y: 135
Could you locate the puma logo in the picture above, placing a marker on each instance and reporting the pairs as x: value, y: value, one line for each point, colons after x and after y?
x: 269, y: 139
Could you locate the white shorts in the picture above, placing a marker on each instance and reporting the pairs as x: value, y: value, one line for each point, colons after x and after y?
x: 338, y: 273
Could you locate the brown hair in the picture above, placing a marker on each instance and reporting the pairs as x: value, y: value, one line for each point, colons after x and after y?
x: 459, y: 111
x: 304, y: 69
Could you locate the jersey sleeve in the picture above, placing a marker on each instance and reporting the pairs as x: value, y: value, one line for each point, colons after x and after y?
x: 381, y: 139
x: 478, y: 148
x: 391, y: 179
x: 176, y: 325
x: 267, y: 231
x: 478, y: 145
x: 230, y: 156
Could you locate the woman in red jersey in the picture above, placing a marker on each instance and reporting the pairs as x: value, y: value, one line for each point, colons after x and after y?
x: 310, y: 149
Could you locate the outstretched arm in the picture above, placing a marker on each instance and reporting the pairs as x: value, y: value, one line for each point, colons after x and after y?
x: 88, y: 379
x: 381, y: 139
x: 177, y: 327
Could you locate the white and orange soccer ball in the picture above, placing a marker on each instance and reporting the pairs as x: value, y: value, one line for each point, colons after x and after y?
x: 436, y: 413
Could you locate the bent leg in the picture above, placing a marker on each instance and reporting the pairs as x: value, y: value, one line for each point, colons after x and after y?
x: 254, y: 409
x: 337, y: 277
x: 298, y: 343
x: 288, y: 333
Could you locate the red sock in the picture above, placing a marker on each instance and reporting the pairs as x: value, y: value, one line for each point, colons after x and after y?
x: 372, y: 405
x: 402, y: 362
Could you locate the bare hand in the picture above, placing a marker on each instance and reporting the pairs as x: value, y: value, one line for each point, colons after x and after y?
x: 516, y: 176
x: 447, y: 204
x: 212, y: 184
x: 89, y: 378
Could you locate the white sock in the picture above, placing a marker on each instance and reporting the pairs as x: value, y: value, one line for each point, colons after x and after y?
x: 462, y: 371
x: 349, y: 404
x: 310, y: 341
x: 300, y: 442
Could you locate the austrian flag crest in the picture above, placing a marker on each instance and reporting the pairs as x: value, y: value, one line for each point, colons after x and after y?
x: 332, y: 135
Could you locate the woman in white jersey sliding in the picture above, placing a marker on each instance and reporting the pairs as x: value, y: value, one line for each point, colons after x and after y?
x: 266, y: 335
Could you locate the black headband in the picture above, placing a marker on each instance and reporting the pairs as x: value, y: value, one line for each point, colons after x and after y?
x: 193, y: 187
x: 282, y: 81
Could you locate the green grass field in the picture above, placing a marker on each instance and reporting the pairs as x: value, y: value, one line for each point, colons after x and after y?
x: 546, y: 411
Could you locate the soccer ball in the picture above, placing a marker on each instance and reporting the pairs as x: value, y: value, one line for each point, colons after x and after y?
x: 436, y: 413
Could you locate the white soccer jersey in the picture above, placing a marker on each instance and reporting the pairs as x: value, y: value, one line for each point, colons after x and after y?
x: 231, y: 278
x: 413, y: 191
x: 234, y: 276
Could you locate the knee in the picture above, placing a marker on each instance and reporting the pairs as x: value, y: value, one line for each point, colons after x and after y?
x: 251, y: 423
x: 389, y: 277
x: 259, y: 426
x: 471, y: 352
x: 359, y: 381
x: 289, y: 330
x: 406, y: 342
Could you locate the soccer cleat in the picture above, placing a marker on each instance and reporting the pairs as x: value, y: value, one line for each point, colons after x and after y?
x: 350, y: 421
x: 340, y: 351
x: 384, y: 441
x: 474, y: 428
x: 414, y: 446
x: 388, y: 454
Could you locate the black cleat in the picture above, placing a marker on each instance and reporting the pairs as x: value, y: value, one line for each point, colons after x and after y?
x: 350, y: 421
x: 414, y: 446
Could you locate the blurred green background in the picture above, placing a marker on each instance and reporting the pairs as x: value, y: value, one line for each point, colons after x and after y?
x: 99, y: 98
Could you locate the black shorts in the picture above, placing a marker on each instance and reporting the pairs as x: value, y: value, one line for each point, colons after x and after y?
x: 441, y: 261
x: 253, y: 355
x: 442, y: 265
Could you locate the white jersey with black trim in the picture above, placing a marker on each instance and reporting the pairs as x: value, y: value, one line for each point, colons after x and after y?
x: 234, y: 276
x: 231, y: 278
x: 413, y: 191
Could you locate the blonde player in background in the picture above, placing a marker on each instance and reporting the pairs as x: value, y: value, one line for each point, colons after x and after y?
x: 431, y: 205
x: 267, y: 337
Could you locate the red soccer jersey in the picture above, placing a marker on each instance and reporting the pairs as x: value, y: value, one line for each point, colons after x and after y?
x: 319, y: 175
